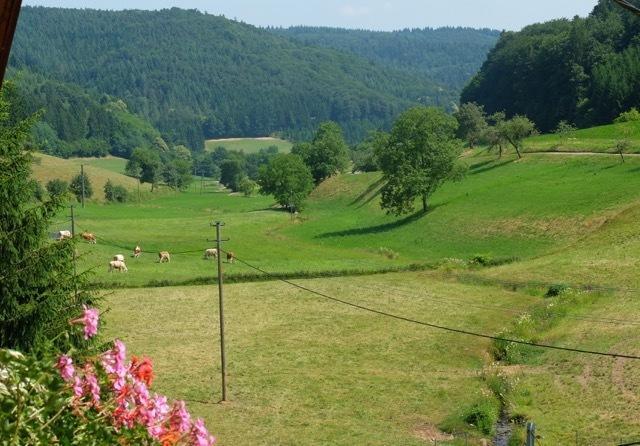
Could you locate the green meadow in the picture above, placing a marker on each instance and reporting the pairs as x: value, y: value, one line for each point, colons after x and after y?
x: 594, y: 139
x: 249, y: 145
x: 304, y: 367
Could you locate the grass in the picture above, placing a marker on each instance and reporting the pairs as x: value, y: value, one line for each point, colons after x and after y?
x: 249, y: 145
x: 505, y: 208
x: 302, y: 370
x: 110, y: 163
x: 594, y: 139
x: 98, y: 171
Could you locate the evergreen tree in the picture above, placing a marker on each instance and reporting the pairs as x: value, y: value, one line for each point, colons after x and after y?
x: 36, y: 275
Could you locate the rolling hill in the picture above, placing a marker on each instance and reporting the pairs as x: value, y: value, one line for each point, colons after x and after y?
x: 211, y: 77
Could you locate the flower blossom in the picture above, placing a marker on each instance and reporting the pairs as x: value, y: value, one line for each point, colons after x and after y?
x: 90, y: 319
x: 94, y: 388
x: 200, y: 436
x: 78, y: 388
x: 142, y: 369
x: 65, y: 366
x: 179, y: 419
x: 113, y: 362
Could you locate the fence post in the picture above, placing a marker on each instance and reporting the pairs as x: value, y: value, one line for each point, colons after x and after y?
x: 531, y: 434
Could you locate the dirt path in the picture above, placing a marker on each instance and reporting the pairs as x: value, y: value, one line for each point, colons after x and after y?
x: 542, y: 152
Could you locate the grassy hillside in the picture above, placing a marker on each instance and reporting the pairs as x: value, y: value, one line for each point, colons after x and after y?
x: 595, y: 139
x: 504, y: 208
x: 98, y: 170
x: 249, y: 145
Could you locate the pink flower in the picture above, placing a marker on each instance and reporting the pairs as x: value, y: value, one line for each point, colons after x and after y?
x: 113, y: 363
x: 90, y: 320
x: 200, y: 436
x: 179, y: 419
x: 78, y: 388
x: 65, y: 365
x: 94, y: 387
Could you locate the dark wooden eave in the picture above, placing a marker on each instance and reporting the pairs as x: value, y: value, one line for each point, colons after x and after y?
x: 628, y: 6
x: 9, y: 10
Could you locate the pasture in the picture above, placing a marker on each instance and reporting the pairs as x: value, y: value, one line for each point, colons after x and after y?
x: 594, y: 139
x: 503, y: 209
x: 249, y: 145
x: 110, y: 163
x: 301, y: 367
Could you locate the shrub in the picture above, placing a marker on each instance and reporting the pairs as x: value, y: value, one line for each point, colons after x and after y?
x: 483, y: 415
x: 76, y: 186
x: 556, y: 289
x: 115, y: 193
x: 57, y: 187
x: 629, y: 116
x: 38, y: 191
x: 247, y: 186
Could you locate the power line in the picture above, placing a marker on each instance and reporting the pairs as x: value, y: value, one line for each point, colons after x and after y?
x: 514, y: 310
x: 435, y: 326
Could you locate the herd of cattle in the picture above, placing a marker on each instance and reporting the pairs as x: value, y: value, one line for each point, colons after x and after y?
x: 118, y: 263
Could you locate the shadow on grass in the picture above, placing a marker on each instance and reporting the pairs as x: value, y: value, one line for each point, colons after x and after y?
x: 373, y: 191
x: 379, y: 228
x: 485, y: 167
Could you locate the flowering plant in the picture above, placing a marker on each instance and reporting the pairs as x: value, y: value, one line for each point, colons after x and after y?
x: 103, y: 399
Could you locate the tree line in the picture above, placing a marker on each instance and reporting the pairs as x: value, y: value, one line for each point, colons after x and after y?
x: 584, y: 71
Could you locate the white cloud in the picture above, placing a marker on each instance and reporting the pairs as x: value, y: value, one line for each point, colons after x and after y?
x: 350, y: 10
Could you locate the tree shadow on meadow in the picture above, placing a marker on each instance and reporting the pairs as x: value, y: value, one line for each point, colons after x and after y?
x: 369, y: 194
x: 381, y: 228
x: 486, y: 166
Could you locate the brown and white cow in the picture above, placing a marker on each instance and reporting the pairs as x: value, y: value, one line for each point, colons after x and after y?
x: 61, y: 235
x: 119, y: 257
x: 164, y: 256
x: 137, y: 251
x: 230, y: 257
x: 89, y: 237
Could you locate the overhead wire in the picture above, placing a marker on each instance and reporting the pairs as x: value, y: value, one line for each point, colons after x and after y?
x: 437, y: 326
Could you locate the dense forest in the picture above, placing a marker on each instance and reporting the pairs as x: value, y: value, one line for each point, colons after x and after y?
x: 197, y: 76
x: 450, y: 56
x: 77, y: 122
x: 585, y: 71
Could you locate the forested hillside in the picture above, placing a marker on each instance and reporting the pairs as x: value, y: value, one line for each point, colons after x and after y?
x: 450, y: 56
x: 585, y: 71
x: 76, y: 121
x: 198, y: 76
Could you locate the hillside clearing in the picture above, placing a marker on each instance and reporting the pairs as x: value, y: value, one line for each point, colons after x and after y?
x: 249, y: 145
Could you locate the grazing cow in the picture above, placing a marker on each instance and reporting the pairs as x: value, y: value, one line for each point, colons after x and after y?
x: 164, y: 256
x: 230, y: 257
x: 117, y: 265
x: 137, y: 251
x: 89, y: 237
x: 63, y: 235
x: 119, y: 257
x: 211, y: 252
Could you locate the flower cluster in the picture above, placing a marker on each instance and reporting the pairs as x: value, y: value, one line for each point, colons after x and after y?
x: 119, y: 389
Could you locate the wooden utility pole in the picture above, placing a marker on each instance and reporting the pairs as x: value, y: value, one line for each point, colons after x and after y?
x: 223, y: 364
x: 82, y: 176
x: 9, y: 11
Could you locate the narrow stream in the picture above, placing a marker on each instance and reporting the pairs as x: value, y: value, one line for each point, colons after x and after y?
x: 503, y: 430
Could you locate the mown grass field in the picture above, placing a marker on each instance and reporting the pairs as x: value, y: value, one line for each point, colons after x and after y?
x: 110, y: 163
x: 303, y: 370
x: 595, y: 139
x: 249, y: 145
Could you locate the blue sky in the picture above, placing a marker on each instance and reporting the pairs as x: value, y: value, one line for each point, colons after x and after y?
x: 370, y: 14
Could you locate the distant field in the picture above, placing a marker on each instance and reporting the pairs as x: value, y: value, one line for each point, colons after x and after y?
x: 305, y: 371
x: 249, y: 145
x: 98, y: 171
x: 594, y: 139
x: 111, y: 163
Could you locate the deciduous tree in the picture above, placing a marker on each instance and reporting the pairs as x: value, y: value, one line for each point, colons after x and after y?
x: 421, y: 154
x: 288, y: 179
